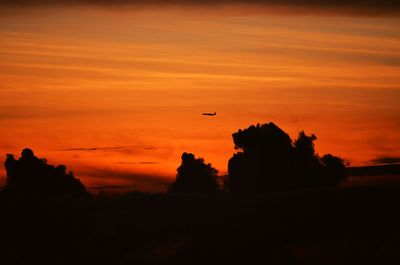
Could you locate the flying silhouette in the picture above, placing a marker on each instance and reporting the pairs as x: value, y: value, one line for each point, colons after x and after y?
x: 209, y: 114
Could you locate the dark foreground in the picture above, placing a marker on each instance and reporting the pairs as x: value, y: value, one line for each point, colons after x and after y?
x: 346, y: 226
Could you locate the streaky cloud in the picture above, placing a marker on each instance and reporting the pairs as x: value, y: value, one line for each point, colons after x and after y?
x: 106, y: 187
x: 137, y: 163
x: 127, y: 180
x: 368, y: 7
x: 384, y: 160
x: 107, y: 148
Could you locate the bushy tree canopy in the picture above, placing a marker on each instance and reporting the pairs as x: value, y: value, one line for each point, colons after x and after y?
x: 269, y: 160
x: 30, y: 175
x: 194, y: 177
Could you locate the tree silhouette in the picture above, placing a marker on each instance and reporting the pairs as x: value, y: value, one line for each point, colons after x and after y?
x: 266, y: 152
x: 269, y: 160
x: 30, y: 175
x: 335, y: 169
x: 307, y: 164
x: 194, y: 177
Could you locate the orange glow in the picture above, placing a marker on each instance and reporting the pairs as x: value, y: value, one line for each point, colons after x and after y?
x: 139, y: 81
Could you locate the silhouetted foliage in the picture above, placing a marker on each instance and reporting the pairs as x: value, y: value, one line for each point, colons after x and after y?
x: 270, y: 160
x: 30, y: 175
x: 194, y: 177
x: 335, y: 169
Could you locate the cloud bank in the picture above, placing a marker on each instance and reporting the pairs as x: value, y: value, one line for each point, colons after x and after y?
x: 108, y: 148
x: 103, y: 178
x: 357, y: 6
x: 137, y: 163
x: 384, y: 160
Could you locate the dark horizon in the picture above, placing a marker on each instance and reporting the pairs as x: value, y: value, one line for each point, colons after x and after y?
x: 262, y: 141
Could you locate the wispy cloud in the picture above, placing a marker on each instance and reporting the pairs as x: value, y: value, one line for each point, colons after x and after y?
x: 107, y: 187
x: 137, y: 163
x: 108, y: 148
x: 384, y: 160
x: 355, y: 6
x: 108, y: 178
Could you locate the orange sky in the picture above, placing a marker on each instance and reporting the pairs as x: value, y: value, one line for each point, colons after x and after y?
x: 133, y: 82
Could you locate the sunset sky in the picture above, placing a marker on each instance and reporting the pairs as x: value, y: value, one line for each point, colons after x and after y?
x: 115, y: 89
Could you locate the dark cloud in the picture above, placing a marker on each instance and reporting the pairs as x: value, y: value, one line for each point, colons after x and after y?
x: 137, y: 163
x: 106, y: 187
x: 384, y: 160
x: 124, y: 180
x: 360, y: 6
x: 16, y: 111
x: 108, y: 148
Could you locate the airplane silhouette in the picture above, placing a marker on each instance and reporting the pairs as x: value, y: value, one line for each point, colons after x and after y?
x: 209, y: 114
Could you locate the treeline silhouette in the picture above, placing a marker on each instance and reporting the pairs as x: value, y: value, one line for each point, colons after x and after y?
x: 306, y: 220
x: 30, y: 175
x: 194, y: 177
x: 268, y: 160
